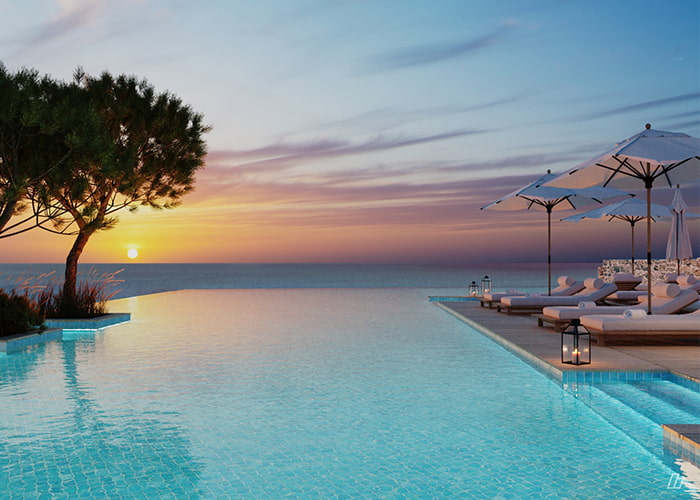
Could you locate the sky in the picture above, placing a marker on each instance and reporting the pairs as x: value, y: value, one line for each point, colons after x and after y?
x: 375, y: 130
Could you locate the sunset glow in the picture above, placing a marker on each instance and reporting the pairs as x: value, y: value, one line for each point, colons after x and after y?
x: 375, y: 131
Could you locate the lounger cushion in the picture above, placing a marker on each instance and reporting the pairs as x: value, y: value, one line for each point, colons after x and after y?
x: 659, y: 305
x: 496, y: 296
x: 571, y: 300
x: 567, y: 286
x: 651, y: 323
x: 628, y: 295
x: 626, y: 277
x: 574, y: 312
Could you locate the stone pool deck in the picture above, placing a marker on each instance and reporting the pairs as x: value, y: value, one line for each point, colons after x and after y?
x: 521, y: 332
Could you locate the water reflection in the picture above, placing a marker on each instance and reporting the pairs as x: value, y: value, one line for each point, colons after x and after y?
x: 76, y: 440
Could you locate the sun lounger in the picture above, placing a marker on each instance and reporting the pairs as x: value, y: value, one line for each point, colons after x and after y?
x: 594, y: 290
x: 566, y: 286
x: 629, y: 326
x: 667, y: 298
x: 685, y: 281
x: 628, y: 291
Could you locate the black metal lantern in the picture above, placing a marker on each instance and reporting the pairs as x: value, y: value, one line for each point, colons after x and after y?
x: 485, y: 285
x: 575, y: 344
x: 473, y: 289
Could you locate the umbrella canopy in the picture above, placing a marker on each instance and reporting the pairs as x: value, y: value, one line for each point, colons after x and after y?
x: 639, y: 161
x: 631, y: 210
x: 537, y: 195
x: 679, y: 247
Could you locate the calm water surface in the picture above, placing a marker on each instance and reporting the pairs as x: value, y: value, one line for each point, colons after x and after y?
x: 313, y: 393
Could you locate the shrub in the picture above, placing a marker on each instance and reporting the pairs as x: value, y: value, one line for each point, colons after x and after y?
x: 90, y: 299
x: 18, y: 314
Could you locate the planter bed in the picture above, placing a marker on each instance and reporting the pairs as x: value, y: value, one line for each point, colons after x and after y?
x: 18, y: 342
x: 89, y: 323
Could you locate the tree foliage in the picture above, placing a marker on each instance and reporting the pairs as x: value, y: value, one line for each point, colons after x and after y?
x: 44, y: 125
x: 156, y: 146
x: 76, y: 153
x: 29, y: 143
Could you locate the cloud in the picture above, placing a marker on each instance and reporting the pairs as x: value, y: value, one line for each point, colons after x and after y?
x: 684, y: 115
x: 70, y: 19
x: 533, y: 163
x: 419, y: 55
x: 647, y: 105
x: 684, y: 125
x: 285, y: 155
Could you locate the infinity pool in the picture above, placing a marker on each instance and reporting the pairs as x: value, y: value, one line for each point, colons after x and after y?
x: 314, y: 393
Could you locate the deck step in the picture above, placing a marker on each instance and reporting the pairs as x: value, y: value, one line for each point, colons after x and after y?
x: 657, y: 400
x: 619, y: 414
x: 640, y: 408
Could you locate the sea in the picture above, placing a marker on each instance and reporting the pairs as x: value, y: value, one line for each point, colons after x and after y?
x: 128, y: 280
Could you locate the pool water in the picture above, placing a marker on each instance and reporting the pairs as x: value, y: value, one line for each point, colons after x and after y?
x: 314, y: 393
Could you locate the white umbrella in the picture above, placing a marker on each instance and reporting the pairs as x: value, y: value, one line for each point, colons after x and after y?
x: 536, y: 194
x: 679, y: 246
x: 642, y: 159
x: 631, y: 210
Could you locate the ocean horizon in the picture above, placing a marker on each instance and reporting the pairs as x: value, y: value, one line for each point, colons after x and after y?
x: 134, y: 279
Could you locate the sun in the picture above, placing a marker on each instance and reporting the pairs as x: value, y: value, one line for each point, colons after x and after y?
x: 132, y: 253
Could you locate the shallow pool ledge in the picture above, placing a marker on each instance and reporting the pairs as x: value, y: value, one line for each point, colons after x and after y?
x: 19, y: 342
x: 89, y: 324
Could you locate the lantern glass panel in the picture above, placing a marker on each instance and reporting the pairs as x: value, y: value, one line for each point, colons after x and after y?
x: 575, y: 344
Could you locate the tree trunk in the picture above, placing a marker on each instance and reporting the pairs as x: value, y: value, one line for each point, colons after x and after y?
x: 71, y: 276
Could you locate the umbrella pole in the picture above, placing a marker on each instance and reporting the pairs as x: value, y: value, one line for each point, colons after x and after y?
x: 549, y: 250
x: 632, y: 224
x: 648, y: 249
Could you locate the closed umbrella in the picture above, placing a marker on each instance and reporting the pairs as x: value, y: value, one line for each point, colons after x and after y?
x: 651, y: 155
x: 537, y: 195
x: 631, y: 210
x: 679, y: 247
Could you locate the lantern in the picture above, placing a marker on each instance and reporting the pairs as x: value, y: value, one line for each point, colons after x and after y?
x: 485, y: 285
x: 575, y: 344
x: 473, y: 289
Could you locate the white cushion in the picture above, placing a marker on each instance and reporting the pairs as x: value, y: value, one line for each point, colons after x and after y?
x: 566, y: 280
x: 665, y: 289
x: 594, y: 283
x: 686, y: 279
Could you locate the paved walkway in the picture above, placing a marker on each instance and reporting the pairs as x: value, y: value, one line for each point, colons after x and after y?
x: 543, y: 343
